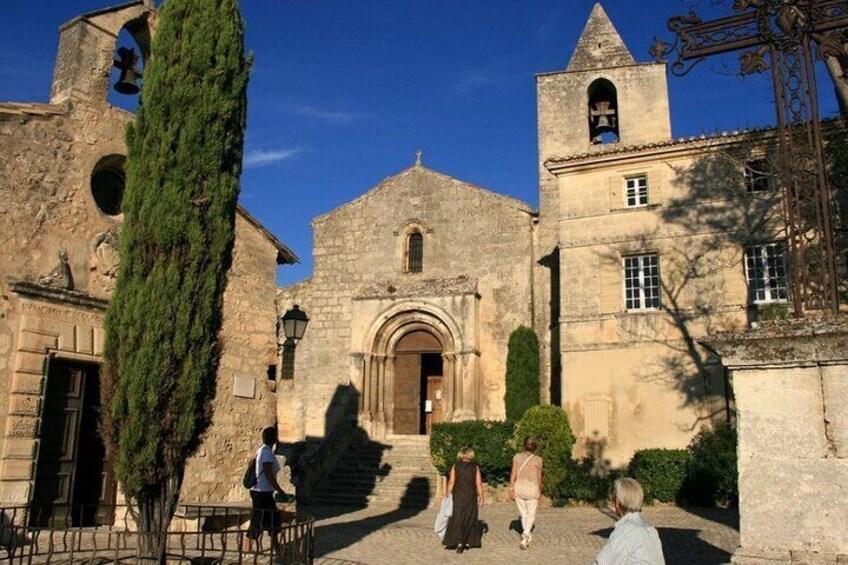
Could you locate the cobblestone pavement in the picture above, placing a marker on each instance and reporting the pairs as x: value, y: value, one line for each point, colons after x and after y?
x: 384, y: 536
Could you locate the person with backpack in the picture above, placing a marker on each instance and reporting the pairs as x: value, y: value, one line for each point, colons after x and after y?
x: 262, y: 483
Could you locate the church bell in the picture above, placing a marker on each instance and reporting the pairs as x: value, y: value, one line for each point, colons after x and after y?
x: 603, y: 118
x: 126, y: 62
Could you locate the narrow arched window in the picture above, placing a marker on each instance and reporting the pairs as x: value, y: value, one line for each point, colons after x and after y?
x: 414, y: 252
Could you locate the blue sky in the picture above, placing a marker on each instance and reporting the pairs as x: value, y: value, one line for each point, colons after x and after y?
x: 343, y: 92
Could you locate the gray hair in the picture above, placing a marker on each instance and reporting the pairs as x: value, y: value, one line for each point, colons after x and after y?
x: 628, y: 493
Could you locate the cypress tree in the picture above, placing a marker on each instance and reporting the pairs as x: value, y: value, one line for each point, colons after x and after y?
x: 183, y: 168
x: 522, y: 373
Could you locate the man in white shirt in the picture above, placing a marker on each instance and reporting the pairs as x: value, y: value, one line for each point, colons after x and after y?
x: 265, y: 516
x: 633, y: 541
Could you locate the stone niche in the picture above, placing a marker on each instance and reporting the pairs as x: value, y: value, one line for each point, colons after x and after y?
x: 791, y: 385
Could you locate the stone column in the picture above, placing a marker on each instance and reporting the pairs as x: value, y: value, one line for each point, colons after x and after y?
x: 449, y: 384
x: 466, y: 372
x: 791, y: 386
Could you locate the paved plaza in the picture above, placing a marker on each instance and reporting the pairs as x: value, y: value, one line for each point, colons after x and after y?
x: 391, y: 536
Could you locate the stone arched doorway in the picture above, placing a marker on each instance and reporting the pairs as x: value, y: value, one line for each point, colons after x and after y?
x: 414, y: 353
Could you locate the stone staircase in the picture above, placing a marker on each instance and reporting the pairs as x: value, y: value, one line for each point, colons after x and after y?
x: 396, y: 473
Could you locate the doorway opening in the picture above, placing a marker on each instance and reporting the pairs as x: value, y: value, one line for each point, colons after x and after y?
x: 418, y: 383
x: 431, y: 392
x: 73, y: 480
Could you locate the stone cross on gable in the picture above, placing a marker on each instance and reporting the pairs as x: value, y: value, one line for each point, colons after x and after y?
x: 418, y: 155
x: 781, y: 35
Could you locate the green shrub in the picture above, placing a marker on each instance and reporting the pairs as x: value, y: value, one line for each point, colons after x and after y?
x: 491, y: 442
x: 584, y: 483
x: 712, y: 478
x: 522, y: 373
x: 660, y: 472
x: 549, y: 425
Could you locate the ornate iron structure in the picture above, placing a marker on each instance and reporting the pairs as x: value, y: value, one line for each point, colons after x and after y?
x: 782, y: 35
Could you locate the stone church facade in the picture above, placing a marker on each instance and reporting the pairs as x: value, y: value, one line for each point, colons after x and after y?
x: 61, y: 179
x: 642, y: 245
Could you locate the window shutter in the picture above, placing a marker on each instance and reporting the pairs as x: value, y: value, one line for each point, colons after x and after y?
x: 616, y: 196
x: 655, y: 187
x: 610, y: 282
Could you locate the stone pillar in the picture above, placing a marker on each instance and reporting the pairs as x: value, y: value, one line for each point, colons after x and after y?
x: 466, y: 387
x: 791, y: 385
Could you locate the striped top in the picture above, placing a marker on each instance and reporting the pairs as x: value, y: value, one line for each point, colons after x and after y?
x: 632, y: 542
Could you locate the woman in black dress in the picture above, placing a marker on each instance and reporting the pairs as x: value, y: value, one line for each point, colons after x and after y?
x: 466, y: 486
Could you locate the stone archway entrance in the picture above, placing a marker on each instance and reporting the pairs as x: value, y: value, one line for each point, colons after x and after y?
x: 418, y: 383
x: 415, y: 371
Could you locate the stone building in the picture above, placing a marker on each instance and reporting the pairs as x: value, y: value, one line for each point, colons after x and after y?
x: 417, y: 286
x: 642, y: 245
x: 61, y: 181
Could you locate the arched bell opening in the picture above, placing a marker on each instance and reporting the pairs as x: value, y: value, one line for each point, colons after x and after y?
x: 603, y: 112
x: 132, y: 48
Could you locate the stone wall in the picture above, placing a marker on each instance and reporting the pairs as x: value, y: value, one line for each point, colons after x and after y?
x: 359, y: 249
x: 791, y: 393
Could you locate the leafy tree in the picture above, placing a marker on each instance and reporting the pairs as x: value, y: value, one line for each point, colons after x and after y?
x: 183, y: 168
x: 522, y: 373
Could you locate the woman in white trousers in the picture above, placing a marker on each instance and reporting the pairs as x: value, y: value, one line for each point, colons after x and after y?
x: 525, y: 487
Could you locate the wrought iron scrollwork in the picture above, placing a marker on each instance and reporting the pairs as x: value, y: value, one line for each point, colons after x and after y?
x: 780, y: 35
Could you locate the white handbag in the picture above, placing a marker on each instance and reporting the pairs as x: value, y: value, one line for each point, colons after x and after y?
x: 445, y: 512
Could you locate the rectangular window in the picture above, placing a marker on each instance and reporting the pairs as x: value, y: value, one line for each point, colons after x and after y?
x: 756, y: 176
x: 636, y: 191
x: 765, y: 270
x: 642, y: 282
x: 287, y: 360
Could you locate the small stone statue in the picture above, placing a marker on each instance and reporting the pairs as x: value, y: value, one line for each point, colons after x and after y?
x: 60, y: 276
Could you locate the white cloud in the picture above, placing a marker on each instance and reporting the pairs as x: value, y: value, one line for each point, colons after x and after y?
x: 331, y: 116
x: 261, y: 157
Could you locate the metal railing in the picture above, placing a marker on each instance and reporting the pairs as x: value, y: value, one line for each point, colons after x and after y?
x: 199, y: 534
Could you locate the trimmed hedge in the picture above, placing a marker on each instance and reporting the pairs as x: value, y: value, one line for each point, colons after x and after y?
x: 661, y: 472
x: 522, y: 373
x: 491, y: 440
x: 713, y: 478
x: 582, y: 484
x: 549, y: 425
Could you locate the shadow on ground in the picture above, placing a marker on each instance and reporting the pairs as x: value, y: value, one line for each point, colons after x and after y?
x: 339, y: 535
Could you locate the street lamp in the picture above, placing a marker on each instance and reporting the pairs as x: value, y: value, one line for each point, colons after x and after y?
x: 294, y: 325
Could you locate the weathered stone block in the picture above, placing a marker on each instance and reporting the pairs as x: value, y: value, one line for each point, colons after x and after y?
x: 18, y: 448
x: 24, y: 405
x: 16, y: 469
x: 26, y: 362
x: 835, y: 382
x: 14, y: 492
x: 38, y: 343
x: 21, y: 426
x: 83, y: 339
x: 27, y: 383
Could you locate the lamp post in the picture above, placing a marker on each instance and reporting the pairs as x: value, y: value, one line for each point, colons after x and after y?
x: 294, y: 323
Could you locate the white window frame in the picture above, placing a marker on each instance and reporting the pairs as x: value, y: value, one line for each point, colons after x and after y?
x: 636, y: 191
x: 641, y: 286
x: 772, y: 283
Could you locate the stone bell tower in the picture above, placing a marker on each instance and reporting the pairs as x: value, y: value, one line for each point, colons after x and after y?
x: 603, y: 99
x: 87, y: 49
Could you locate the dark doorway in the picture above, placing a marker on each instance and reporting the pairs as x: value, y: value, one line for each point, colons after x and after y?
x: 73, y: 482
